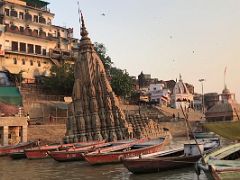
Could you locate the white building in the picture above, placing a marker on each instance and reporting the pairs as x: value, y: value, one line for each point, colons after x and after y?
x: 159, y: 94
x: 181, y: 96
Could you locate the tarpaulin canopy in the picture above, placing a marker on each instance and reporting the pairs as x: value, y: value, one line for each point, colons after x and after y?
x: 10, y: 95
x: 229, y: 130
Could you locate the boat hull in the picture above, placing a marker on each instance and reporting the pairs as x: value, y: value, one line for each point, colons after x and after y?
x: 67, y: 157
x: 4, y: 151
x: 73, y: 154
x: 153, y: 165
x: 117, y: 157
x: 18, y: 155
x: 42, y: 152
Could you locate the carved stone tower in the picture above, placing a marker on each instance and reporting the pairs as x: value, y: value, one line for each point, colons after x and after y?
x: 94, y: 113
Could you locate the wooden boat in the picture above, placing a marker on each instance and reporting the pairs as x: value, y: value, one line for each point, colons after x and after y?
x: 221, y: 164
x: 203, y: 135
x: 41, y: 152
x: 75, y: 154
x: 167, y: 160
x: 5, y: 150
x: 115, y: 154
x: 17, y: 155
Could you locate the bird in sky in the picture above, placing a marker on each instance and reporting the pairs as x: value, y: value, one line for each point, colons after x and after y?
x: 103, y: 14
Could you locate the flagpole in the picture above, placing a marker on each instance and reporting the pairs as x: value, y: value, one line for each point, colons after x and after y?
x: 225, y: 71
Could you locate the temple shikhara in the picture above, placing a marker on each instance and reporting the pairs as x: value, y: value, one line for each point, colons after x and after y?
x: 95, y: 113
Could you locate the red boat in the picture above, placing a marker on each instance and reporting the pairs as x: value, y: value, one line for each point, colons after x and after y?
x: 5, y: 150
x: 41, y: 152
x: 75, y: 154
x: 107, y: 155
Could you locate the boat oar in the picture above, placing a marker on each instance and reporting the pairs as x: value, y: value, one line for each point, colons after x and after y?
x: 189, y: 127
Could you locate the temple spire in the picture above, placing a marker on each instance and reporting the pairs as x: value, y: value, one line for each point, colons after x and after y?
x: 180, y: 77
x: 84, y: 32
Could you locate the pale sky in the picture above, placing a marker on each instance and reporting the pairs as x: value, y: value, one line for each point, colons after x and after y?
x: 197, y: 38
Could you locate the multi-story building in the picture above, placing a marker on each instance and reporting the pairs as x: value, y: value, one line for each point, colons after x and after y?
x: 159, y: 94
x: 29, y: 42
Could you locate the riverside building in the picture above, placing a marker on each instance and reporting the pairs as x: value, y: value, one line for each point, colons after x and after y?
x: 29, y: 42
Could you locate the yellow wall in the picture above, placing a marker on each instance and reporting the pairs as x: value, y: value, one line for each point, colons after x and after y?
x: 16, y: 2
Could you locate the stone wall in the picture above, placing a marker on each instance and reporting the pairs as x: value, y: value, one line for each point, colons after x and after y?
x: 143, y: 126
x: 47, y: 133
x: 55, y: 133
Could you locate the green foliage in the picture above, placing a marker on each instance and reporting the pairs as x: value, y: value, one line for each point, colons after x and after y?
x: 101, y: 51
x: 61, y: 80
x: 120, y: 80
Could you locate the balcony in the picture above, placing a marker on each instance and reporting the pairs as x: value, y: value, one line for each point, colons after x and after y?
x: 28, y: 32
x: 60, y: 54
x: 10, y: 49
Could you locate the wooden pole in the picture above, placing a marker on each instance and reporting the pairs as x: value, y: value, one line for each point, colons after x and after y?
x: 186, y: 118
x: 236, y: 113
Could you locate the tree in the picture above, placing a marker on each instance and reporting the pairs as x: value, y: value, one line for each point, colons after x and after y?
x: 101, y: 51
x: 121, y: 82
x: 61, y: 80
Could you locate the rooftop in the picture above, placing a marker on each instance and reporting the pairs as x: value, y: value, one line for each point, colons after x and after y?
x: 36, y: 3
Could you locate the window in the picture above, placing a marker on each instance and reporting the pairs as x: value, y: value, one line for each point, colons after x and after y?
x: 35, y: 32
x: 7, y: 12
x: 44, y: 52
x: 21, y: 15
x: 9, y: 136
x: 23, y: 62
x: 35, y: 18
x: 38, y: 49
x: 42, y: 20
x: 31, y: 62
x: 14, y: 13
x: 39, y: 64
x: 22, y: 47
x: 14, y: 61
x: 30, y: 48
x: 49, y: 21
x: 14, y: 46
x: 21, y: 29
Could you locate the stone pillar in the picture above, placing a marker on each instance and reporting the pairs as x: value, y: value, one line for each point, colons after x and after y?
x: 24, y: 134
x: 5, y: 135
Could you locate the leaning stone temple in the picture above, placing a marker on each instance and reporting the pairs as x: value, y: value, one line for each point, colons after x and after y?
x: 95, y: 113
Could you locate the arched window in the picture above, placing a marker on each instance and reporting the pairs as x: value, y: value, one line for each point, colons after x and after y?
x: 31, y: 62
x: 23, y: 62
